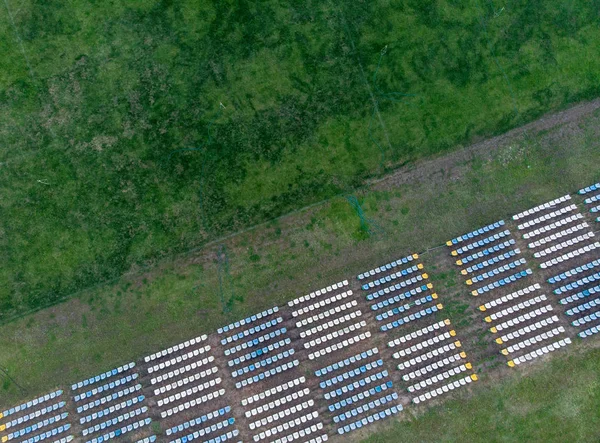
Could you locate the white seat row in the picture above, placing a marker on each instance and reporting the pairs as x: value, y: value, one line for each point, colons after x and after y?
x: 337, y: 346
x: 556, y: 248
x: 264, y: 351
x: 446, y: 388
x: 285, y: 426
x: 108, y: 398
x: 318, y: 293
x: 263, y: 363
x: 546, y: 217
x: 440, y: 377
x: 542, y: 207
x: 521, y: 318
x: 179, y: 359
x: 508, y: 297
x: 184, y: 381
x: 192, y: 403
x: 425, y: 344
x: 533, y: 340
x: 189, y: 391
x: 102, y: 376
x: 424, y: 331
x: 282, y: 414
x: 322, y: 303
x: 539, y: 352
x: 429, y: 355
x: 67, y: 439
x: 527, y: 330
x: 335, y: 334
x: 388, y: 266
x: 558, y: 235
x: 110, y: 410
x: 31, y: 403
x: 552, y: 226
x: 275, y: 390
x: 330, y: 324
x: 248, y: 320
x: 277, y: 403
x: 570, y: 255
x: 32, y: 415
x: 303, y: 433
x: 323, y: 315
x: 120, y: 419
x: 180, y: 371
x: 434, y: 366
x: 175, y: 348
x: 515, y: 308
x: 150, y: 439
x: 271, y: 372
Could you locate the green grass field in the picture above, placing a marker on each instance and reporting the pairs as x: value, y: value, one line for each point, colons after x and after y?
x: 117, y: 152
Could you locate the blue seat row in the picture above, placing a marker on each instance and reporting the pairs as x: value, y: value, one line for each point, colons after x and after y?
x: 370, y: 419
x: 48, y: 434
x: 108, y: 398
x: 121, y: 431
x: 485, y: 252
x: 491, y: 261
x: 256, y: 341
x: 400, y: 297
x: 411, y: 317
x: 103, y: 376
x: 401, y: 309
x: 198, y: 421
x: 573, y: 272
x: 252, y: 331
x: 583, y: 307
x: 393, y: 288
x: 36, y: 414
x: 481, y: 243
x: 346, y: 362
x: 259, y: 352
x: 113, y: 421
x: 31, y: 403
x: 595, y: 209
x: 587, y: 319
x: 204, y: 431
x: 591, y: 188
x: 351, y: 374
x: 388, y: 266
x: 589, y: 332
x: 502, y: 282
x: 497, y: 271
x: 267, y: 374
x: 366, y: 407
x: 248, y: 320
x: 126, y: 404
x: 580, y: 295
x: 390, y: 277
x: 475, y: 233
x: 408, y: 282
x: 263, y: 363
x: 361, y: 396
x: 107, y: 386
x: 36, y: 426
x: 357, y: 384
x: 577, y: 284
x: 219, y: 439
x: 592, y: 199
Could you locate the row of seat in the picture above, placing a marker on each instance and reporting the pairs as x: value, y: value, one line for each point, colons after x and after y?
x: 399, y: 297
x: 103, y: 376
x: 273, y: 391
x: 256, y: 341
x: 521, y: 319
x: 267, y: 374
x: 289, y: 425
x: 251, y: 331
x: 190, y: 391
x: 533, y: 340
x: 182, y: 370
x: 108, y: 398
x: 202, y: 433
x: 121, y: 431
x: 179, y: 359
x: 589, y: 332
x: 248, y: 320
x: 199, y: 420
x: 150, y: 439
x: 485, y: 252
x: 502, y: 282
x: 388, y: 266
x: 105, y: 412
x: 263, y: 363
x: 275, y: 404
x: 539, y: 352
x: 259, y: 352
x: 184, y: 381
x: 475, y: 233
x: 351, y: 374
x: 570, y: 255
x: 282, y: 414
x: 105, y: 387
x: 374, y: 404
x: 302, y: 433
x: 580, y: 295
x: 318, y: 293
x: 326, y: 314
x: 573, y: 272
x: 563, y: 245
x: 429, y: 355
x: 176, y: 348
x: 393, y: 276
x: 592, y: 199
x: 542, y: 207
x: 419, y: 333
x: 480, y: 243
x: 425, y: 344
x: 591, y: 188
x: 436, y: 365
x: 437, y: 378
x: 341, y: 345
x: 346, y: 362
x: 583, y: 307
x: 356, y: 385
x: 322, y: 303
x: 330, y: 324
x: 587, y: 319
x: 515, y: 308
x: 192, y: 403
x: 444, y: 389
x: 552, y: 226
x: 388, y: 412
x: 546, y: 217
x: 45, y: 435
x: 509, y: 297
x: 361, y: 396
x: 31, y: 403
x: 400, y: 309
x: 35, y: 427
x: 491, y: 261
x: 113, y: 421
x: 513, y: 335
x: 220, y: 439
x: 407, y: 319
x: 335, y: 334
x: 595, y: 209
x: 554, y: 237
x: 32, y: 415
x: 578, y: 284
x: 497, y: 271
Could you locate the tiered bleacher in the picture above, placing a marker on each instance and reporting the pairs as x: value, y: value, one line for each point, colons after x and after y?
x: 41, y: 419
x: 111, y: 404
x: 358, y: 391
x: 592, y: 199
